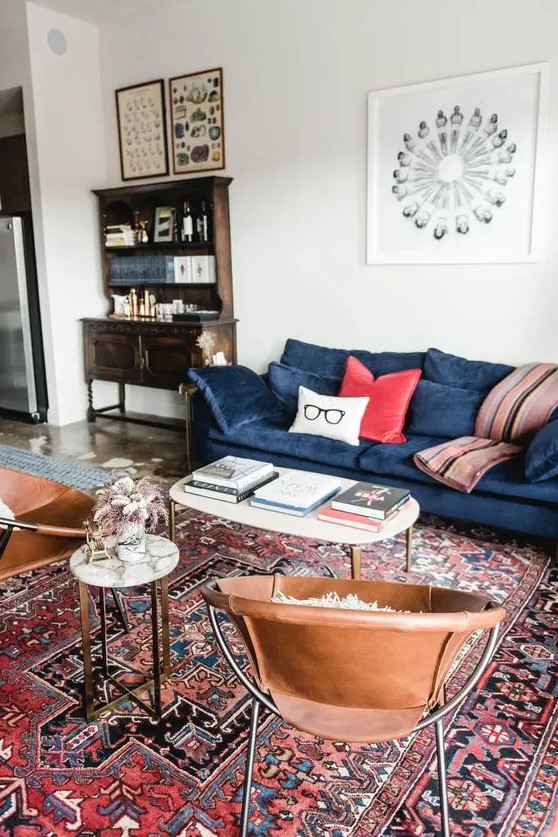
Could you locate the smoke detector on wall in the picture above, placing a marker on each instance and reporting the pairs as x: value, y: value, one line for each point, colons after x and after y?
x: 57, y: 42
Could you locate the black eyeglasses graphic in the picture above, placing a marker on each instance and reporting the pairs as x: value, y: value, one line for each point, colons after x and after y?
x: 311, y: 412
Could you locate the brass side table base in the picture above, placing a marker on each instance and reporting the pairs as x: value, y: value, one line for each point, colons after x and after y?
x: 160, y: 559
x: 160, y: 672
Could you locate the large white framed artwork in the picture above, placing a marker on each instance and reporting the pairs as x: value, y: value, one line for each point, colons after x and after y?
x: 454, y: 169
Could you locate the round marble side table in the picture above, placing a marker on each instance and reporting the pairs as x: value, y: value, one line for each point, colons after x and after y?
x: 161, y: 558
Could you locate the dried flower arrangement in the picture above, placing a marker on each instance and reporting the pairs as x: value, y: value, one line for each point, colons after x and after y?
x: 127, y: 506
x: 206, y: 342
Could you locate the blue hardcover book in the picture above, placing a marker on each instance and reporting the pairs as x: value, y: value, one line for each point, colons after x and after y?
x: 282, y: 507
x: 296, y: 492
x: 141, y: 270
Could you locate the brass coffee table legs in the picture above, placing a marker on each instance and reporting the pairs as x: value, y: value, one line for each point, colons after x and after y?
x: 356, y: 551
x: 356, y: 555
x: 172, y: 518
x: 161, y: 648
x: 409, y: 536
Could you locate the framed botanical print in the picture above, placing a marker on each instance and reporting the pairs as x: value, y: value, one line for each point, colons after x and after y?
x: 142, y: 131
x: 197, y: 121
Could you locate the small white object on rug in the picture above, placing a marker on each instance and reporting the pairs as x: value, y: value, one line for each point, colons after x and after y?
x: 350, y: 602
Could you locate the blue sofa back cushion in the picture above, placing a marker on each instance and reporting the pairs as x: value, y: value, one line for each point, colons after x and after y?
x: 236, y: 395
x: 324, y: 361
x: 440, y: 410
x: 541, y: 457
x: 457, y: 371
x: 284, y: 382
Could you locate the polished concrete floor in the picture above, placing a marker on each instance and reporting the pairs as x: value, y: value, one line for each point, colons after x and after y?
x: 133, y: 449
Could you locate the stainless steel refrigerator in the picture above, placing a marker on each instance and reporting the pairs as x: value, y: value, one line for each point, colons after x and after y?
x: 23, y: 392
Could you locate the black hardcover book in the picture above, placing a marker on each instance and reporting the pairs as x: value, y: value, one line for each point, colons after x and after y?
x: 371, y: 500
x: 230, y: 495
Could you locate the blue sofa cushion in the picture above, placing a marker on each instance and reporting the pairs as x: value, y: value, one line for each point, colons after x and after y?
x: 311, y: 358
x: 284, y: 382
x: 235, y: 395
x: 384, y: 363
x: 440, y: 410
x: 397, y: 460
x: 457, y: 371
x: 324, y: 361
x: 274, y: 437
x: 506, y: 479
x: 541, y: 457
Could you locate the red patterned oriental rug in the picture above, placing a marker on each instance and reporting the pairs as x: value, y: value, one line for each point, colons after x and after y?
x: 128, y: 776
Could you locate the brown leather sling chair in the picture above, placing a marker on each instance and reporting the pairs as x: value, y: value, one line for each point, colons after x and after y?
x: 351, y: 675
x: 48, y: 524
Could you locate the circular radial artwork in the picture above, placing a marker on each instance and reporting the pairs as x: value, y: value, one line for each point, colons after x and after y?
x: 453, y: 170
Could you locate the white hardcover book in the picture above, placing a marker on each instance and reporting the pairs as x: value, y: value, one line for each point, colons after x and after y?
x: 280, y: 509
x: 298, y: 490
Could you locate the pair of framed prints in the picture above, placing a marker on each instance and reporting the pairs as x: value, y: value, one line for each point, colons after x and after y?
x: 196, y: 119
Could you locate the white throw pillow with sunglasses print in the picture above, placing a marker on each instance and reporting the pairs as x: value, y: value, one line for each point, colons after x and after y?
x: 329, y: 416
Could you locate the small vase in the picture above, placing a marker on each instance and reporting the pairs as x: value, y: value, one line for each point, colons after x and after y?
x: 130, y: 545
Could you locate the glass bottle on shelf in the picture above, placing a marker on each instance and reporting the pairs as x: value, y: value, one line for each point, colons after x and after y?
x: 201, y: 223
x: 187, y: 223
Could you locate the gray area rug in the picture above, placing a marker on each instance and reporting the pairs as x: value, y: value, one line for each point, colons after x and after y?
x: 60, y: 470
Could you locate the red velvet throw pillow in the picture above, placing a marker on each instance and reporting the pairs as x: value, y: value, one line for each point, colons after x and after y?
x: 389, y: 395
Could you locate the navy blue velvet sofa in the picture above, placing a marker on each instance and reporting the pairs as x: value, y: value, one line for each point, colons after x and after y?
x: 239, y: 412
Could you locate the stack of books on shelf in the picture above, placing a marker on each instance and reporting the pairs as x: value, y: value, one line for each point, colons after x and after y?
x: 296, y: 492
x: 119, y: 235
x: 367, y: 506
x: 231, y: 478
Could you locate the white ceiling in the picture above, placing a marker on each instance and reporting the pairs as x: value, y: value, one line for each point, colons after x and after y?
x: 102, y: 11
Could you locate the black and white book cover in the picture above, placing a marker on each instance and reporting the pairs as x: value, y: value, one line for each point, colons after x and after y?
x: 371, y: 499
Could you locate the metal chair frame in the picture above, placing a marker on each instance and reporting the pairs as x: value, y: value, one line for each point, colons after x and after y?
x: 434, y: 717
x: 11, y: 524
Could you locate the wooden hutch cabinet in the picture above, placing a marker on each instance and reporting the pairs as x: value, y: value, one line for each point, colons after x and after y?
x: 154, y: 351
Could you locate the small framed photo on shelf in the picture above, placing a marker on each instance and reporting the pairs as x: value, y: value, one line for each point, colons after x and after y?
x: 197, y: 121
x: 163, y: 224
x: 183, y: 270
x: 142, y: 133
x: 203, y: 270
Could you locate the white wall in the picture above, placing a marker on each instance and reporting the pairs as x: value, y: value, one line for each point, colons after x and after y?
x: 68, y: 141
x: 296, y: 75
x: 14, y: 54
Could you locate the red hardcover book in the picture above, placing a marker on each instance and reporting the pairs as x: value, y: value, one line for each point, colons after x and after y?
x: 356, y: 521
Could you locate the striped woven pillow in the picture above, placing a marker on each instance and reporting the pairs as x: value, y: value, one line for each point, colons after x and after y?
x: 520, y: 404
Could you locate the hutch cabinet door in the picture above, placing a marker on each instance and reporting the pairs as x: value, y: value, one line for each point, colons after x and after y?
x: 113, y: 356
x: 166, y: 359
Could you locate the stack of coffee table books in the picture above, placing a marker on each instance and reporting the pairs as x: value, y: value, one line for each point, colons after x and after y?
x: 366, y: 505
x: 231, y: 479
x: 296, y: 492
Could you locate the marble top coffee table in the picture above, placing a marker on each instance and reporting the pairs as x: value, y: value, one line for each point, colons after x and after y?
x: 161, y: 558
x: 307, y: 527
